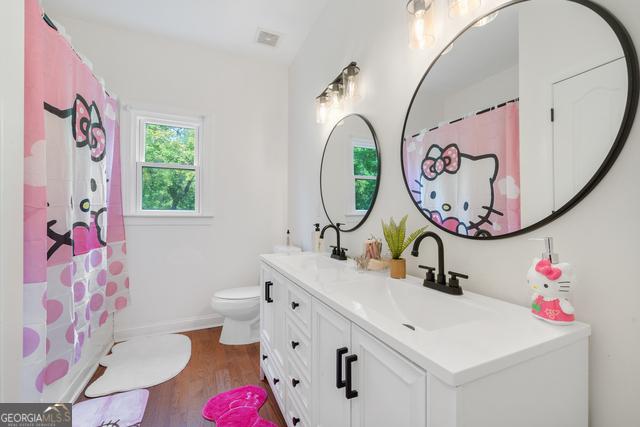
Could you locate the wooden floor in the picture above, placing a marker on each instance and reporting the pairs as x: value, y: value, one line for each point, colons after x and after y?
x: 213, y: 368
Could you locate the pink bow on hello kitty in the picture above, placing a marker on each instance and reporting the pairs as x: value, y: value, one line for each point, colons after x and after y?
x: 446, y: 161
x: 547, y: 269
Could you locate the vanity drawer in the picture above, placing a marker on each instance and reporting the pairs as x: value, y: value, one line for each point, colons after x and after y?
x: 299, y: 305
x: 294, y: 414
x: 275, y: 379
x: 298, y: 385
x: 298, y: 347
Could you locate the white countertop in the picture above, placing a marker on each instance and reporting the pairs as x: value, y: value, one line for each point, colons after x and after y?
x: 456, y: 338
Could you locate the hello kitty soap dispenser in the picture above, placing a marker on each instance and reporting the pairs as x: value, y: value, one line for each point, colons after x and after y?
x: 551, y: 283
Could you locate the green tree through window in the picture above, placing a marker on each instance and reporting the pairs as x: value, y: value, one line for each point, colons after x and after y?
x: 365, y: 172
x: 166, y: 187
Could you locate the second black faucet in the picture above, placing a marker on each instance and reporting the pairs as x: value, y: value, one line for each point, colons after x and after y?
x: 338, y: 252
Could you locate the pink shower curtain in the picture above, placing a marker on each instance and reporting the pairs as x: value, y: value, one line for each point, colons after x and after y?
x: 492, y: 136
x: 74, y: 242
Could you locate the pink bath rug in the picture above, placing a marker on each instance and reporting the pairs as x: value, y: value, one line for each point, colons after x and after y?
x: 237, y: 408
x: 121, y: 409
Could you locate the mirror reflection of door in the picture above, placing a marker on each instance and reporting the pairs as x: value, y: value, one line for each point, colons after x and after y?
x: 587, y: 109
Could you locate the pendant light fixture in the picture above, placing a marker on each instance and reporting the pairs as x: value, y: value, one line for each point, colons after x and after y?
x: 421, y: 31
x: 330, y: 103
x: 459, y: 8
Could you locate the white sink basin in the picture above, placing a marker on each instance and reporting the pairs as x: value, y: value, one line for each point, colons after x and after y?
x: 409, y: 303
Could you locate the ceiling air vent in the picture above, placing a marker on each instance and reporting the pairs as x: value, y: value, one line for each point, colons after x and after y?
x: 268, y: 38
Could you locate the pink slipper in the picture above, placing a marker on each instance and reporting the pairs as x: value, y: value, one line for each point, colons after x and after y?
x: 237, y: 408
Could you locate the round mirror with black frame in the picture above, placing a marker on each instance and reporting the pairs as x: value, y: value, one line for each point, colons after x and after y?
x: 519, y: 117
x: 350, y: 172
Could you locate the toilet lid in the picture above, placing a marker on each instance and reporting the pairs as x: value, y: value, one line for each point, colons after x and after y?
x: 243, y: 292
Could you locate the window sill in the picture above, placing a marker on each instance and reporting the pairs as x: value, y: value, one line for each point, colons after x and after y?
x: 167, y: 219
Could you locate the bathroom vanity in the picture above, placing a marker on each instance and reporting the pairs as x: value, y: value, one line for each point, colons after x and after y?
x: 344, y: 348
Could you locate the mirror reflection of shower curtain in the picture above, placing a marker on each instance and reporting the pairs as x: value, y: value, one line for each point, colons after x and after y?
x: 493, y: 133
x: 75, y: 272
x: 588, y: 110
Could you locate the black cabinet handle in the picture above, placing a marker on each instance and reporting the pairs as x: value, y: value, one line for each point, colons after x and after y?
x: 339, y: 353
x: 264, y: 356
x: 294, y: 382
x: 294, y: 344
x: 276, y: 381
x: 350, y: 393
x: 295, y: 420
x: 294, y: 305
x: 267, y: 291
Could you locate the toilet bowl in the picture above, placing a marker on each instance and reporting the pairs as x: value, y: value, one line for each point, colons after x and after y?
x: 241, y: 310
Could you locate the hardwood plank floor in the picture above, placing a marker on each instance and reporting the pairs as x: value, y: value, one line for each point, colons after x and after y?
x: 213, y: 368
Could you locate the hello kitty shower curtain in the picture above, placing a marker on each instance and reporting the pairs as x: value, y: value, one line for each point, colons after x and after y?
x: 465, y: 174
x: 74, y: 242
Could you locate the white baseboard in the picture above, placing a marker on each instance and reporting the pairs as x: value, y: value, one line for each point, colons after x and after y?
x: 174, y: 326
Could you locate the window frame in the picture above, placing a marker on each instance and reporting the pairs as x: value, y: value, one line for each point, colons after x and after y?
x: 132, y: 170
x: 362, y: 143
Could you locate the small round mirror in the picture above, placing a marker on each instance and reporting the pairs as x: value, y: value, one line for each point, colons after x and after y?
x: 350, y: 172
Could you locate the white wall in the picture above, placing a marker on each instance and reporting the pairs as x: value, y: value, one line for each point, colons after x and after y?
x: 11, y: 183
x: 175, y: 267
x: 601, y: 242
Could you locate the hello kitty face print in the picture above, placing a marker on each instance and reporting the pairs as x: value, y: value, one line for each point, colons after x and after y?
x: 81, y: 175
x: 457, y: 189
x: 551, y: 285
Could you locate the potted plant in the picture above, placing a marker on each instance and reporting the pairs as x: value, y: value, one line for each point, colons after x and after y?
x: 395, y: 234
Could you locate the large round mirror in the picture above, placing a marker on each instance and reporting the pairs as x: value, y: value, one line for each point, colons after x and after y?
x: 520, y: 117
x: 350, y: 172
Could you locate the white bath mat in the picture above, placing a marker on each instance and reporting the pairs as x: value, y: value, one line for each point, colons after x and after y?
x: 142, y: 362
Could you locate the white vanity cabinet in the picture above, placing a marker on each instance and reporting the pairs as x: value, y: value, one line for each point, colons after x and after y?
x: 338, y: 350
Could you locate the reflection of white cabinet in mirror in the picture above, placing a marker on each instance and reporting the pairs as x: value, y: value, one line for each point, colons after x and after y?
x: 547, y: 56
x: 588, y: 109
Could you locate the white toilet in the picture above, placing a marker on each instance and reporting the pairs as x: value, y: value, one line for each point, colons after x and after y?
x: 241, y: 310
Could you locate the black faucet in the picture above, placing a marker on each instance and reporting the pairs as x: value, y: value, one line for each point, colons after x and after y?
x: 439, y: 283
x: 337, y: 252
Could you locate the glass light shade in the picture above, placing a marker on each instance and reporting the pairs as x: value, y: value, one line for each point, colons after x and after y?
x: 322, y: 108
x: 484, y: 21
x: 421, y: 30
x: 350, y: 81
x: 334, y: 92
x: 458, y: 8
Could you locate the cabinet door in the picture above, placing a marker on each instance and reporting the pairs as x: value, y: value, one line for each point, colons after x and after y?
x: 391, y: 390
x: 278, y: 294
x: 330, y: 332
x: 267, y: 307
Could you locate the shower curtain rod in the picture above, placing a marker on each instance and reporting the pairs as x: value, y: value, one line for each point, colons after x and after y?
x: 477, y: 113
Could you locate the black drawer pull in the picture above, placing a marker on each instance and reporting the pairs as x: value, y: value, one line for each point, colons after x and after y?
x: 339, y: 353
x: 294, y: 305
x: 267, y: 291
x: 350, y: 393
x: 276, y: 381
x: 295, y: 420
x: 294, y: 344
x: 294, y: 382
x: 265, y: 357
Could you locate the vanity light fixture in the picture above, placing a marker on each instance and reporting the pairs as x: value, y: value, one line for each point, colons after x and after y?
x: 484, y: 21
x: 421, y: 30
x: 459, y: 8
x: 330, y: 103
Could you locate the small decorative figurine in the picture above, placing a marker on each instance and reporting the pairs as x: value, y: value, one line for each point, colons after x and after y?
x: 551, y: 283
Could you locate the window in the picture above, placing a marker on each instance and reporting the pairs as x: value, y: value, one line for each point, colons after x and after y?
x: 167, y: 164
x: 365, y: 173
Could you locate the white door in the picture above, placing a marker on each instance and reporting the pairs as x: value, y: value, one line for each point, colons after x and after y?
x: 278, y: 295
x: 588, y: 110
x: 330, y: 333
x: 391, y: 390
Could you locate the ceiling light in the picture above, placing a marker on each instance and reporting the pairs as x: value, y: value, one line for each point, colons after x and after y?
x: 459, y: 8
x: 421, y: 32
